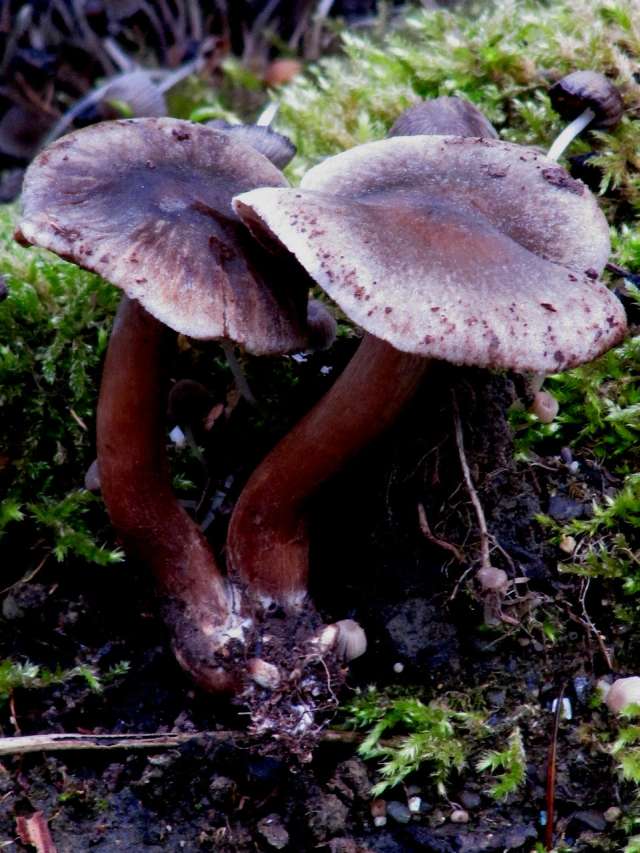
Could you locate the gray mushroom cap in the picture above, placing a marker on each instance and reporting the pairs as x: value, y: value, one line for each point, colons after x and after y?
x: 146, y: 203
x: 443, y: 116
x: 587, y: 89
x: 275, y: 146
x: 472, y: 251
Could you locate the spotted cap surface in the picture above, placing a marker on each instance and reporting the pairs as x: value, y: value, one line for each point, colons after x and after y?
x: 474, y: 251
x: 146, y: 203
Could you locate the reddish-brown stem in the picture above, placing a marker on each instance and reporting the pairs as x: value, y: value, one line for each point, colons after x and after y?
x: 136, y: 486
x: 268, y: 545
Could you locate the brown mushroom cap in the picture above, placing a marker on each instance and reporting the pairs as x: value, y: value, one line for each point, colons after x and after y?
x: 443, y: 116
x: 146, y: 203
x: 580, y: 90
x: 473, y: 251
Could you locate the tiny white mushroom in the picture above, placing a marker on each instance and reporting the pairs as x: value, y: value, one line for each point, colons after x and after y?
x: 623, y: 693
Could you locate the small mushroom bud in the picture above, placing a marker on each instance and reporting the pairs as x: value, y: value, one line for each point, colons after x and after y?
x: 326, y: 639
x: 545, y: 407
x: 352, y: 640
x: 492, y: 579
x: 622, y: 693
x: 459, y: 816
x: 264, y: 674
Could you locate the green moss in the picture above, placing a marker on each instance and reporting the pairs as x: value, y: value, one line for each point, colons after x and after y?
x: 54, y: 327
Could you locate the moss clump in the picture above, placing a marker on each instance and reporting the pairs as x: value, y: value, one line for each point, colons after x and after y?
x: 54, y: 327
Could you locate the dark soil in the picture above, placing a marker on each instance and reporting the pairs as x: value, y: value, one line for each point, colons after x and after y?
x: 371, y: 562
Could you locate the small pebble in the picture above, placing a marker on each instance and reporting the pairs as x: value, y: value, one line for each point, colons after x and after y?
x: 398, y: 811
x: 459, y: 816
x: 566, y: 712
x: 380, y: 820
x: 415, y: 804
x: 612, y: 814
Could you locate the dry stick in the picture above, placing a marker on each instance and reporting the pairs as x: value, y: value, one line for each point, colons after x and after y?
x: 551, y: 772
x: 156, y: 740
x: 60, y: 742
x: 466, y: 473
x: 430, y: 537
x: 588, y: 623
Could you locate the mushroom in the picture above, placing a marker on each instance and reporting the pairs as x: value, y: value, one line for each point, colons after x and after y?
x: 146, y: 203
x: 583, y: 98
x: 275, y: 147
x: 444, y: 115
x: 474, y: 251
x: 623, y: 693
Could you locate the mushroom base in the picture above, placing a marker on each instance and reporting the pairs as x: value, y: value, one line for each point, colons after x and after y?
x: 291, y: 687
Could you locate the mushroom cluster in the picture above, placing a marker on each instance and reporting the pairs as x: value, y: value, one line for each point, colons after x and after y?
x: 161, y: 227
x: 441, y: 242
x: 459, y: 248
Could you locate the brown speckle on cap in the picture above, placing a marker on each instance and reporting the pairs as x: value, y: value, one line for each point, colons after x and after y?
x: 428, y: 224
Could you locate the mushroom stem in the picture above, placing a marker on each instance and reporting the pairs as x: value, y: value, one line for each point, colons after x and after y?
x: 570, y: 132
x: 267, y: 544
x: 136, y: 487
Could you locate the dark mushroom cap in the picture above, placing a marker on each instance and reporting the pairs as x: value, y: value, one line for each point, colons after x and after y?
x: 275, y: 146
x: 580, y: 90
x: 473, y: 251
x: 443, y: 116
x: 146, y: 203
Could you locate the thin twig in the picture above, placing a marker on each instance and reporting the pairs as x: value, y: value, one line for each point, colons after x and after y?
x: 153, y: 741
x: 551, y: 772
x: 430, y: 537
x: 587, y: 621
x: 466, y: 473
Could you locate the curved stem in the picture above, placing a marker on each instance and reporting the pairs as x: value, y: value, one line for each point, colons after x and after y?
x: 136, y: 486
x: 267, y: 544
x: 566, y: 137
